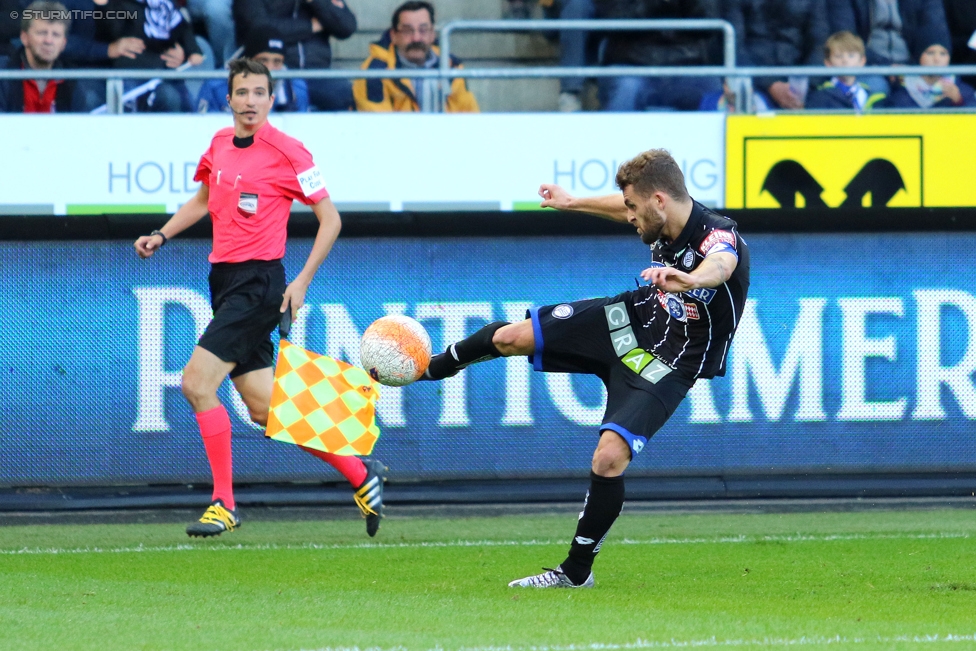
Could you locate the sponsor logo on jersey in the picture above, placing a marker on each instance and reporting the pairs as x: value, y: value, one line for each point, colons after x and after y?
x: 637, y: 445
x: 702, y: 294
x: 563, y: 311
x: 247, y: 204
x: 688, y: 260
x: 655, y: 264
x: 691, y: 310
x: 311, y: 181
x: 715, y: 238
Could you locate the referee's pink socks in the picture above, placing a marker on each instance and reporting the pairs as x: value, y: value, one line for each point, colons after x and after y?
x: 215, y: 430
x: 352, y: 468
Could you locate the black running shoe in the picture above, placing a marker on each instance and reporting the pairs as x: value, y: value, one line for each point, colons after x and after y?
x: 369, y: 494
x: 216, y: 520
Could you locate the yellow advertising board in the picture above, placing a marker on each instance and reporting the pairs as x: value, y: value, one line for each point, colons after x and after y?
x: 805, y: 161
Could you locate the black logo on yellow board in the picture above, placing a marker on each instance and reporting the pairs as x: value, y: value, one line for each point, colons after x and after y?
x: 832, y: 171
x: 879, y: 178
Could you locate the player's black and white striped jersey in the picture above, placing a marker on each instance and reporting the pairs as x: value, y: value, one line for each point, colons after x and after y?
x: 691, y: 331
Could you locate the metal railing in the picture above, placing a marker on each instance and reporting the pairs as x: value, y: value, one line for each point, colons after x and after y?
x: 445, y: 73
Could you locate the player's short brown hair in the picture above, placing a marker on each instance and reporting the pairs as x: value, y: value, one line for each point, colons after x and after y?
x: 652, y: 171
x: 843, y: 42
x: 244, y: 67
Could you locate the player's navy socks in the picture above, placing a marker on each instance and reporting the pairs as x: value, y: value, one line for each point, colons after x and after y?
x: 215, y: 431
x: 476, y: 348
x: 603, y: 503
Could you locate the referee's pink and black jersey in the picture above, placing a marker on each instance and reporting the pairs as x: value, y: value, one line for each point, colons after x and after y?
x: 253, y: 182
x: 691, y: 331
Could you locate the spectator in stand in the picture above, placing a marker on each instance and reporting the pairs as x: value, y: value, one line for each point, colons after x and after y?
x: 265, y: 46
x: 961, y: 17
x: 9, y: 27
x: 169, y: 43
x: 894, y: 31
x: 779, y: 33
x: 576, y: 50
x: 88, y: 47
x: 410, y: 45
x: 43, y: 42
x: 658, y: 48
x: 305, y: 27
x: 932, y: 91
x: 844, y: 50
x: 218, y: 19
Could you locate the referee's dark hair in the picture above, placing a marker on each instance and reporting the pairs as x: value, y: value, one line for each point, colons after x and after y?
x: 412, y: 5
x: 652, y: 171
x: 244, y: 66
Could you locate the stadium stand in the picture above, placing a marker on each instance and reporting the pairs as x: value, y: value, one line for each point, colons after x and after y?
x: 475, y: 49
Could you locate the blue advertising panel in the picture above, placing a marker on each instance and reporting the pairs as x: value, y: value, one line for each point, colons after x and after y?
x: 856, y: 353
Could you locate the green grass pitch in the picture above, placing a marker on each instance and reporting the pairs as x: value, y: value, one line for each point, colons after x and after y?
x: 866, y: 580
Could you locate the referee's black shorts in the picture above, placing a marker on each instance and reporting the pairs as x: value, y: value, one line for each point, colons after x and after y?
x: 596, y: 336
x: 246, y: 299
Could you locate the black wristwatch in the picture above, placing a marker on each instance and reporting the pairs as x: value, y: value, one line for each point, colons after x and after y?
x: 160, y: 233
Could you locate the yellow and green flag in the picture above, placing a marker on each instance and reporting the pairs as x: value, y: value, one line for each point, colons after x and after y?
x: 322, y: 403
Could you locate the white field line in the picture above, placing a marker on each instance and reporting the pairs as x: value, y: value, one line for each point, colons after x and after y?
x: 704, y: 642
x: 187, y: 547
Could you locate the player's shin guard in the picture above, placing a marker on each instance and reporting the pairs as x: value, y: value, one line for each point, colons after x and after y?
x: 603, y: 503
x: 476, y: 348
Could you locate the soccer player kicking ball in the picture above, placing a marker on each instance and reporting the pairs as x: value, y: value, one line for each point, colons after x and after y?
x: 249, y: 177
x: 648, y: 346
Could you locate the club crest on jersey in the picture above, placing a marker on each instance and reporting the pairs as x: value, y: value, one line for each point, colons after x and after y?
x: 691, y: 310
x: 714, y: 239
x: 247, y: 204
x: 563, y: 311
x: 688, y: 260
x: 674, y: 305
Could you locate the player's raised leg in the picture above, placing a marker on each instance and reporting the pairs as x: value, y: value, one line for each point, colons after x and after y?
x: 365, y: 475
x: 498, y: 339
x: 202, y: 377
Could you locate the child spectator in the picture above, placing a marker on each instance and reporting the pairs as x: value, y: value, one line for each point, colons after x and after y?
x: 932, y: 91
x: 844, y: 50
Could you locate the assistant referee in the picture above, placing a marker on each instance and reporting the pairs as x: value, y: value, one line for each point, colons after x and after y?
x: 249, y: 178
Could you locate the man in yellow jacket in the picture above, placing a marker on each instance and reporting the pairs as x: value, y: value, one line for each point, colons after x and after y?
x: 410, y: 45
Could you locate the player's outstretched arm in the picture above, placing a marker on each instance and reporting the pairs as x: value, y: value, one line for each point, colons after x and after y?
x: 610, y: 206
x: 712, y: 272
x: 189, y: 214
x: 329, y: 226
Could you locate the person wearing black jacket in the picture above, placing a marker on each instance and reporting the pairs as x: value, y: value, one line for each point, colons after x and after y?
x: 44, y: 41
x: 657, y: 48
x: 305, y: 26
x: 169, y: 43
x: 779, y: 33
x: 961, y: 16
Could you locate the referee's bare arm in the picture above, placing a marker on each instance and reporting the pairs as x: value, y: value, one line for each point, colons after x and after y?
x: 189, y: 214
x: 714, y: 270
x: 609, y: 206
x: 329, y: 226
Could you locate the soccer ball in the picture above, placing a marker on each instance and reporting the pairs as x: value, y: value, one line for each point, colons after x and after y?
x: 395, y: 350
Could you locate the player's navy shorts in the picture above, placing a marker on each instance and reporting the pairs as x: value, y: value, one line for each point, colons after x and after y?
x: 246, y: 299
x: 597, y: 337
